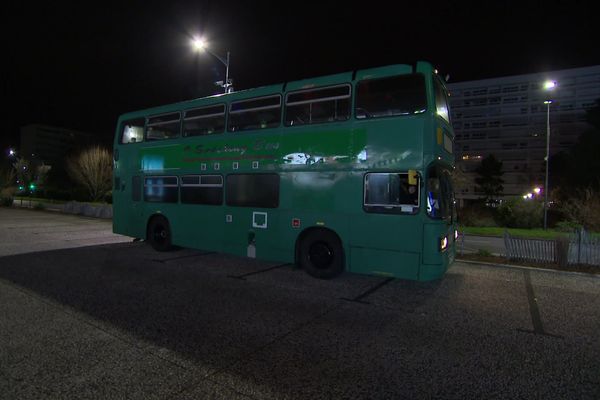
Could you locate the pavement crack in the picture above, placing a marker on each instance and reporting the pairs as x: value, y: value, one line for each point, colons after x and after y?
x: 166, y: 260
x: 360, y: 297
x: 243, y: 276
x: 536, y: 319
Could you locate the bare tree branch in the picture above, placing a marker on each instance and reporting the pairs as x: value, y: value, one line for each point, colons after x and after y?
x: 92, y: 168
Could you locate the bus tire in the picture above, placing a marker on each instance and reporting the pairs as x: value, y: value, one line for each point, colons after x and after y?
x: 321, y: 254
x: 159, y: 234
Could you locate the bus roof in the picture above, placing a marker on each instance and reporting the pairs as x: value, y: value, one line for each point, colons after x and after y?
x: 336, y: 79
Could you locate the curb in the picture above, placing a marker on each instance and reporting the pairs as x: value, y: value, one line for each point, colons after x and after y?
x: 522, y: 267
x: 100, y: 211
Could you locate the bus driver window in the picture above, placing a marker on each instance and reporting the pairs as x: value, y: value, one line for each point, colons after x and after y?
x: 433, y: 197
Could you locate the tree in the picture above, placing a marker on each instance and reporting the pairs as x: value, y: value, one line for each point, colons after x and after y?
x: 30, y: 177
x: 41, y: 175
x: 460, y: 180
x: 7, y: 186
x: 23, y: 171
x: 7, y: 177
x: 489, y: 177
x: 92, y: 168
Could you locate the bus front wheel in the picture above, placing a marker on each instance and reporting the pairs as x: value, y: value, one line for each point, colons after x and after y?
x: 159, y: 234
x: 321, y: 254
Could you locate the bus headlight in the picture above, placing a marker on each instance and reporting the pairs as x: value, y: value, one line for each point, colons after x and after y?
x: 444, y: 243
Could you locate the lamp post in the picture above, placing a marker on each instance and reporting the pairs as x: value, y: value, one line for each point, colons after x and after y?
x: 200, y: 45
x: 549, y: 85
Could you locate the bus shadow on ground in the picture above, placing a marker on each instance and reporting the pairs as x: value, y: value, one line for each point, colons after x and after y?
x: 187, y: 306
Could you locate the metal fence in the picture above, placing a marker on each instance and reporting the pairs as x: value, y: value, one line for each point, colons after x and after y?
x: 584, y: 248
x: 533, y: 250
x: 579, y: 248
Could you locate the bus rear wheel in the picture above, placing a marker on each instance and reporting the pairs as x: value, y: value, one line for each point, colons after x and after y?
x: 321, y: 254
x: 159, y: 234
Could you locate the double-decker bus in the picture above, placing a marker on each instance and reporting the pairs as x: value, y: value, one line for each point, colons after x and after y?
x: 347, y: 172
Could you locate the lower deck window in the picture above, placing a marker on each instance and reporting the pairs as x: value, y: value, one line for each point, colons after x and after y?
x: 202, y: 189
x: 161, y: 189
x: 391, y: 193
x: 253, y: 190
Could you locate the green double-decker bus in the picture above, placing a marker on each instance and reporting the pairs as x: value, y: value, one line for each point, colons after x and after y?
x: 347, y: 172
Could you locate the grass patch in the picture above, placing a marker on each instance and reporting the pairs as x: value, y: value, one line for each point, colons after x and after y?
x: 519, y: 232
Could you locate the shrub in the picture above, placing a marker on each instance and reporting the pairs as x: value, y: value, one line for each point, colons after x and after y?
x: 477, y: 215
x: 7, y: 196
x: 583, y: 209
x: 520, y: 213
x: 568, y: 226
x: 484, y: 253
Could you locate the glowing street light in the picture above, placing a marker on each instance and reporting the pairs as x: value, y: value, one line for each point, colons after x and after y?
x: 199, y: 44
x: 537, y: 190
x: 548, y: 85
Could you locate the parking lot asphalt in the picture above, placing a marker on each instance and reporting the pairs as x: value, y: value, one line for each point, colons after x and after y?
x: 116, y: 320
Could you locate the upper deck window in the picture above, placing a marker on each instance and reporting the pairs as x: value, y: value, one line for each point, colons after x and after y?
x: 165, y: 126
x: 318, y: 105
x: 396, y: 95
x: 441, y: 100
x: 132, y: 131
x: 204, y: 121
x: 260, y: 113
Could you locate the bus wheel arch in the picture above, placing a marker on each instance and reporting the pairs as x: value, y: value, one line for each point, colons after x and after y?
x: 158, y: 233
x: 320, y: 252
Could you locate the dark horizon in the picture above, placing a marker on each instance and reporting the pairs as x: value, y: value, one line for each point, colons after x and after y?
x: 80, y: 66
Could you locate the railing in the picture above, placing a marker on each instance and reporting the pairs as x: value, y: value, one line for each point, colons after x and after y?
x: 579, y: 248
x: 533, y: 250
x: 583, y: 248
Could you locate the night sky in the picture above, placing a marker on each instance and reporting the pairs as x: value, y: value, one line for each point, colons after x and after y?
x: 80, y: 64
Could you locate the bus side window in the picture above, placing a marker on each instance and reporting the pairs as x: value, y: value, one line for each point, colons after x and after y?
x: 320, y: 105
x: 258, y: 113
x: 391, y: 193
x: 164, y: 126
x: 386, y: 97
x: 204, y: 121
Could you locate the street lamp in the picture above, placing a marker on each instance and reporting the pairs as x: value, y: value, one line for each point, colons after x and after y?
x: 201, y: 45
x: 548, y: 85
